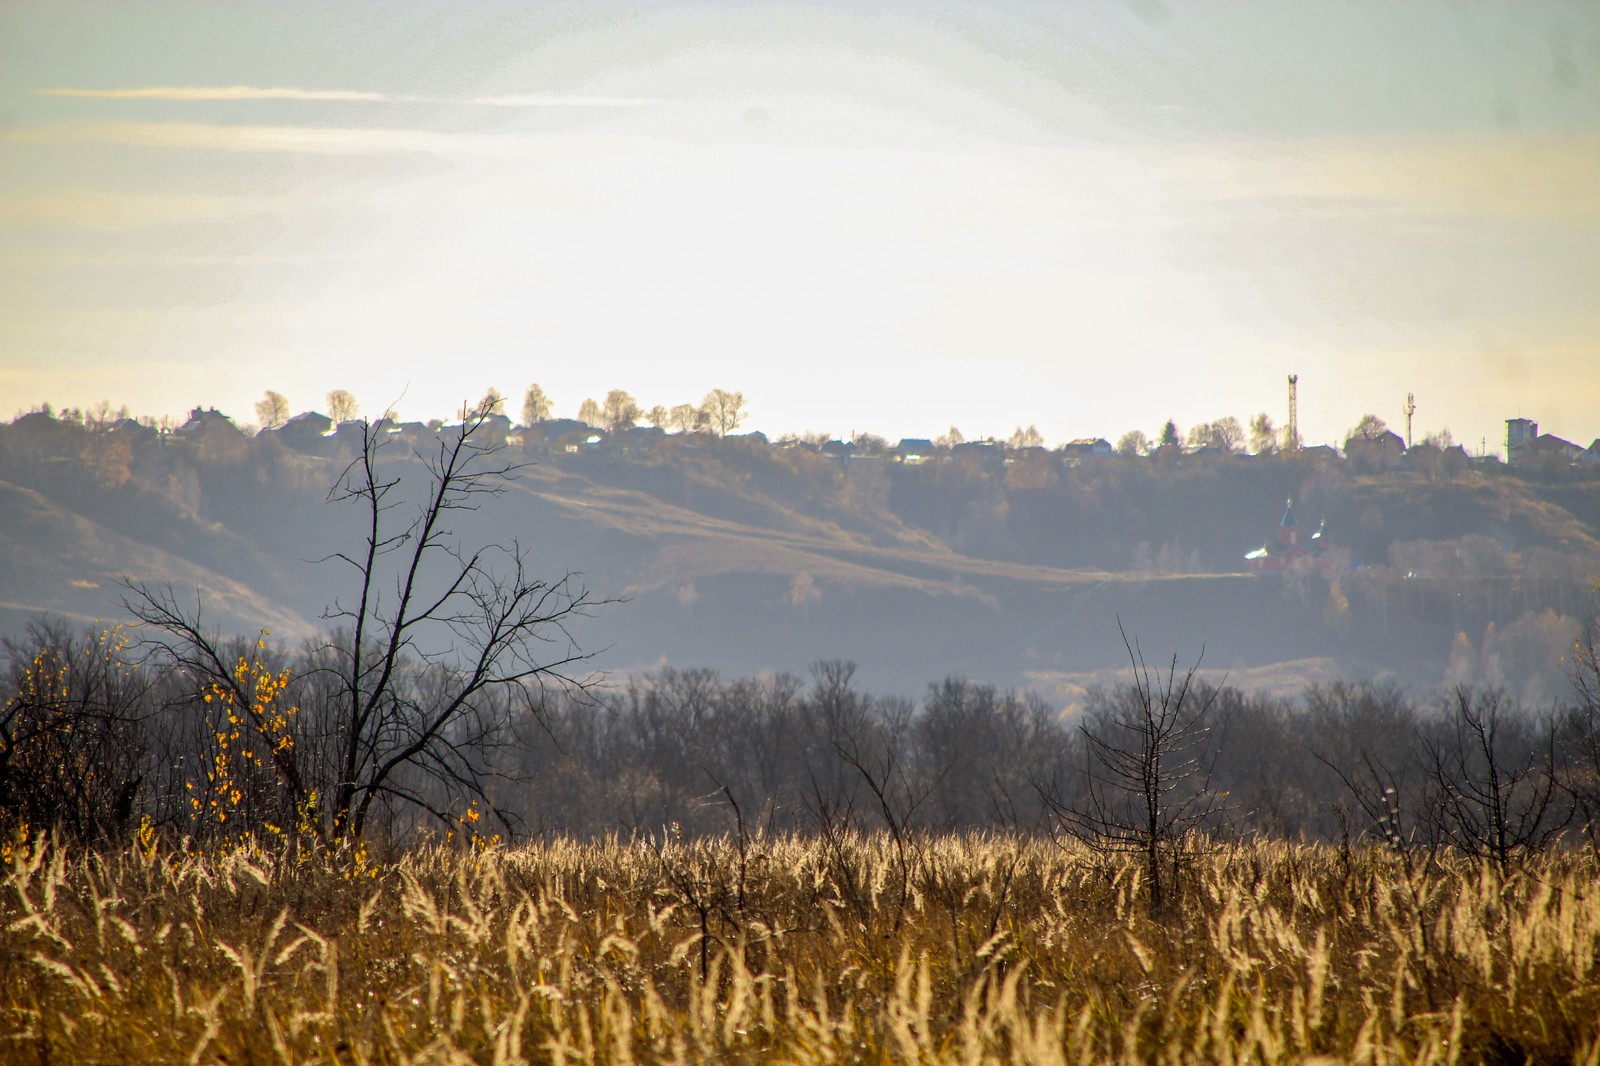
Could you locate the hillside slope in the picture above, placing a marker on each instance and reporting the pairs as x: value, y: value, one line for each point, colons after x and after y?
x: 744, y: 557
x: 54, y: 562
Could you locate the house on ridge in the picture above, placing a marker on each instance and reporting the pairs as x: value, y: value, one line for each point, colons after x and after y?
x: 205, y: 421
x: 1380, y: 452
x: 913, y: 450
x: 1087, y: 448
x: 1549, y: 446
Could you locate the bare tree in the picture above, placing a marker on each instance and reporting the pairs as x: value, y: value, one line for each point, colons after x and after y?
x: 103, y: 414
x: 272, y: 410
x: 1379, y: 793
x: 620, y: 410
x: 1581, y: 775
x: 1147, y: 786
x: 1224, y: 435
x: 895, y: 794
x: 1026, y: 438
x: 1133, y: 443
x: 438, y: 642
x: 342, y: 406
x: 723, y: 411
x: 656, y: 416
x: 1263, y: 437
x: 1371, y: 427
x: 493, y: 403
x: 683, y: 417
x: 1495, y: 779
x: 1227, y: 434
x: 75, y: 749
x: 591, y: 413
x: 536, y: 406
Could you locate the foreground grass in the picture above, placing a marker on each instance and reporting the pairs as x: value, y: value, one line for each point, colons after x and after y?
x: 958, y: 950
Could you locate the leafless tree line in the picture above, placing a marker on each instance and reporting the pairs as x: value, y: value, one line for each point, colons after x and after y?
x: 95, y: 742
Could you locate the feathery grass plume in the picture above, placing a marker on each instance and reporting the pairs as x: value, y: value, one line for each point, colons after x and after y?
x: 1004, y: 950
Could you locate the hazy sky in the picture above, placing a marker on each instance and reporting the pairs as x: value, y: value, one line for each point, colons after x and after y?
x: 885, y: 217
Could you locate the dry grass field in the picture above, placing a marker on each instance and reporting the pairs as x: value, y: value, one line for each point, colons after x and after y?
x: 845, y: 950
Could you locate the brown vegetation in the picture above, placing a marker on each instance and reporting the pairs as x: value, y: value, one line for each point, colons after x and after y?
x: 996, y: 950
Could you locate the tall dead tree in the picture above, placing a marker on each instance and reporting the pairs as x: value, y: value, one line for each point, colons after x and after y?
x: 436, y: 642
x: 1495, y: 776
x: 1147, y: 785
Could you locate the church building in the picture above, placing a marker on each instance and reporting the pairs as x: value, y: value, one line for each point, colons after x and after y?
x: 1290, y: 548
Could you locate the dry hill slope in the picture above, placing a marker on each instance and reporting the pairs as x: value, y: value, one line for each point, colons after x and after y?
x: 58, y: 563
x: 747, y: 558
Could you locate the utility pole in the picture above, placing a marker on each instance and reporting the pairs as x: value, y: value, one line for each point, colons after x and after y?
x: 1292, y: 441
x: 1411, y: 409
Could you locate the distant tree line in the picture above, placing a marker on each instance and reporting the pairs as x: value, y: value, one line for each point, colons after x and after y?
x: 721, y: 411
x: 96, y: 745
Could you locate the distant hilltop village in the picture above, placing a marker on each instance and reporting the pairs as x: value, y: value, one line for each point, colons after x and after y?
x: 1370, y: 447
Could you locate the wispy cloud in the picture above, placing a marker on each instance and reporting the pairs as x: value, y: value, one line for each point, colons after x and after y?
x: 93, y: 210
x: 319, y: 140
x: 223, y: 92
x: 546, y: 100
x: 188, y: 93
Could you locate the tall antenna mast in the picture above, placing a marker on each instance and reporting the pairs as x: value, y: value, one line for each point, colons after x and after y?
x: 1411, y: 409
x: 1292, y: 444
